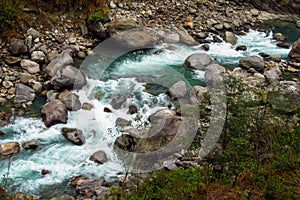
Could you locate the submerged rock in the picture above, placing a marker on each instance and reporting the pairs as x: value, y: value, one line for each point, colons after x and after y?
x: 54, y: 112
x: 9, y: 149
x: 74, y: 135
x: 99, y: 157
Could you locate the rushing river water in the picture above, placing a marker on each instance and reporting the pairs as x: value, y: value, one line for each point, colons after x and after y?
x: 65, y: 159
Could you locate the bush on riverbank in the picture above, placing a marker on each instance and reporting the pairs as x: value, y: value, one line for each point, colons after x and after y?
x: 258, y: 156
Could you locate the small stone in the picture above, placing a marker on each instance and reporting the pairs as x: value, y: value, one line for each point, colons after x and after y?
x: 7, y: 84
x: 72, y: 40
x: 241, y: 48
x: 132, y: 109
x: 38, y: 56
x: 189, y: 23
x: 112, y: 5
x: 12, y: 60
x: 298, y: 23
x: 87, y: 106
x: 107, y: 110
x: 11, y: 90
x: 45, y: 172
x: 81, y: 54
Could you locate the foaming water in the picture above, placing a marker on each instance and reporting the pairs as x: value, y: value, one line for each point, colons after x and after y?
x: 126, y: 77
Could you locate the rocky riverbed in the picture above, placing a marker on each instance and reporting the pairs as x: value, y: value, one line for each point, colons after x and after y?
x: 42, y: 63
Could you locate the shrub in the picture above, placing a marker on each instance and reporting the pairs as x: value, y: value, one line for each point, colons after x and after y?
x: 99, y: 16
x: 8, y: 15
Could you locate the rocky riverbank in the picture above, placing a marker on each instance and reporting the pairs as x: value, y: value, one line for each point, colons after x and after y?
x: 42, y: 64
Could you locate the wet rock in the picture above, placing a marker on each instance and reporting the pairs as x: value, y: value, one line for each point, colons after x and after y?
x: 107, y: 110
x: 8, y: 150
x: 241, y: 48
x: 38, y: 56
x: 87, y: 106
x: 54, y: 112
x: 252, y: 62
x: 279, y: 37
x: 205, y: 47
x: 198, y: 61
x: 30, y: 145
x: 71, y: 100
x: 294, y: 54
x: 30, y: 66
x: 68, y: 77
x: 132, y: 109
x: 122, y: 122
x: 17, y: 46
x: 283, y: 45
x: 230, y: 38
x: 118, y: 101
x: 217, y: 39
x: 73, y: 135
x: 24, y: 94
x: 99, y: 157
x: 178, y: 90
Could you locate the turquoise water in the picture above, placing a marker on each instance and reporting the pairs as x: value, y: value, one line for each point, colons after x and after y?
x: 131, y: 75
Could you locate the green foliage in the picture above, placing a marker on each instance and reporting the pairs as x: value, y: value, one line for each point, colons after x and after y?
x: 8, y: 14
x: 53, y: 20
x: 99, y: 16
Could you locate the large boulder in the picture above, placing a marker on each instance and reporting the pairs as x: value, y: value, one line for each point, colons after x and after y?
x: 294, y: 54
x: 68, y: 77
x: 198, y: 61
x: 24, y: 94
x: 70, y: 100
x: 9, y: 149
x: 99, y: 157
x: 186, y: 38
x: 121, y: 24
x: 17, y: 46
x: 54, y: 112
x: 62, y: 60
x: 230, y: 38
x: 30, y: 66
x: 73, y: 135
x: 252, y: 62
x: 138, y: 38
x: 178, y: 90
